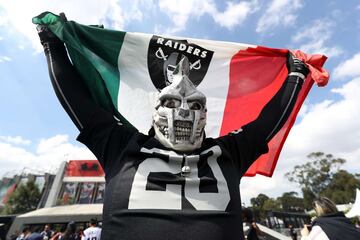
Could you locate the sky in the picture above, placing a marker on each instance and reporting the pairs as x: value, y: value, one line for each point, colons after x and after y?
x: 36, y: 134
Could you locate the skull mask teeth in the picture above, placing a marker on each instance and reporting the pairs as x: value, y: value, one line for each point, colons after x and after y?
x: 180, y: 114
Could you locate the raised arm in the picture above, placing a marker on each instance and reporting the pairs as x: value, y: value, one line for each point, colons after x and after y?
x: 68, y: 84
x: 277, y: 110
x: 97, y: 127
x: 251, y: 141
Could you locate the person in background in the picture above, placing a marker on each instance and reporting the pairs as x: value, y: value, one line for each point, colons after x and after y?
x: 34, y: 234
x: 292, y: 231
x: 60, y: 234
x: 47, y: 233
x: 357, y: 223
x: 25, y: 232
x: 70, y: 232
x: 80, y: 231
x: 15, y: 235
x: 251, y: 230
x: 93, y: 232
x: 329, y: 224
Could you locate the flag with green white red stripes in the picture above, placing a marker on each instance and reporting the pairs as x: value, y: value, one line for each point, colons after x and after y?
x: 125, y: 71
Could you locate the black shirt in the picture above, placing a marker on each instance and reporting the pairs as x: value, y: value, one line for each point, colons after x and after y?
x: 147, y: 197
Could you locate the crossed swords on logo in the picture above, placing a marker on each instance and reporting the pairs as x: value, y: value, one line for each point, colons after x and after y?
x: 160, y: 54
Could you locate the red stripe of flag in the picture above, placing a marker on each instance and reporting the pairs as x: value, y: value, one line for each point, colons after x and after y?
x: 256, y: 74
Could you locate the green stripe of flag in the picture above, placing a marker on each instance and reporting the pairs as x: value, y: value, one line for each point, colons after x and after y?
x: 94, y: 52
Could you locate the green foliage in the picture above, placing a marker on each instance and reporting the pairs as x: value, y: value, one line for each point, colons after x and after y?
x: 342, y: 187
x: 25, y: 198
x: 259, y: 200
x: 258, y: 206
x: 317, y: 173
x: 321, y: 177
x: 290, y: 202
x: 309, y: 197
x: 262, y: 204
x: 272, y: 204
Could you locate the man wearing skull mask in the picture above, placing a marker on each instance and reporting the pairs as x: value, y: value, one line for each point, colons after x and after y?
x: 173, y: 183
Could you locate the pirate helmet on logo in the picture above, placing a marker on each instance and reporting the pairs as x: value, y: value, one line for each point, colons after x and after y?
x: 165, y: 53
x: 170, y: 65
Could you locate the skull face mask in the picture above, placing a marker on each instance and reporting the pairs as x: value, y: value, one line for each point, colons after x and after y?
x: 180, y: 112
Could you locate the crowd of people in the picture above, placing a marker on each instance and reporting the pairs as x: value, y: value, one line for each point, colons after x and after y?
x: 69, y: 232
x: 328, y: 224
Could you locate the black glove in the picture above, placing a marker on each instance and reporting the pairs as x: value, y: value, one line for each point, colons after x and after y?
x: 295, y: 65
x: 46, y: 36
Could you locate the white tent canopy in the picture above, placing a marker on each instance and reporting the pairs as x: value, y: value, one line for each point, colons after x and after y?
x: 355, y: 209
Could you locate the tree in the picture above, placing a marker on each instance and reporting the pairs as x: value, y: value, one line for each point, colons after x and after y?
x: 290, y: 202
x: 259, y: 201
x: 321, y: 177
x: 309, y: 197
x: 25, y: 198
x: 342, y: 187
x: 258, y: 206
x: 271, y: 204
x: 262, y: 204
x: 316, y: 174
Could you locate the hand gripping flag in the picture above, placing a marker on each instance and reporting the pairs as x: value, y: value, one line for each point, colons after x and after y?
x: 125, y: 71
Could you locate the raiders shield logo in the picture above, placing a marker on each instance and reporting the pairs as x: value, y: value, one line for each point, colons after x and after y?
x: 165, y: 53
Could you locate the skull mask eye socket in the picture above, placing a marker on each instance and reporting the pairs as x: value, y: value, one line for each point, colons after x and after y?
x: 171, y: 103
x: 171, y: 68
x: 195, y: 105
